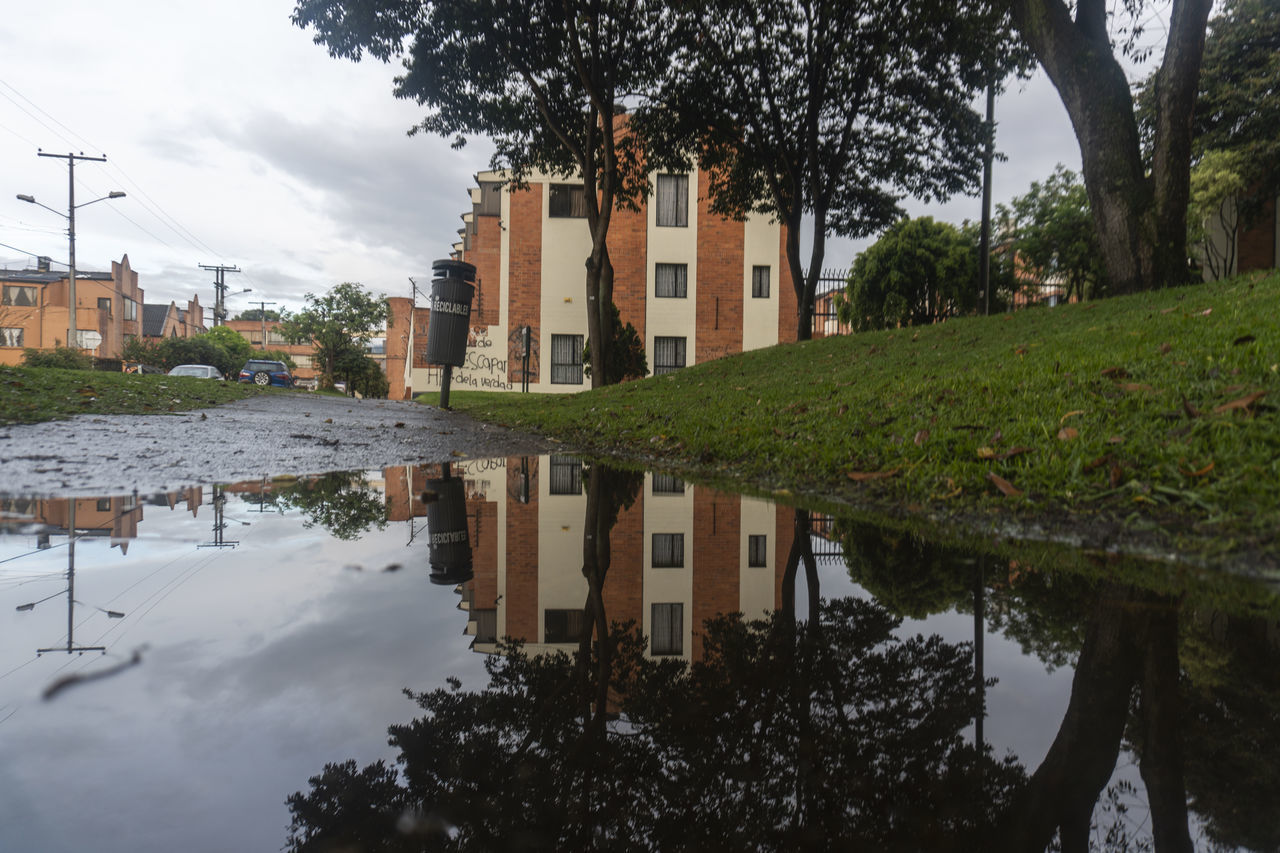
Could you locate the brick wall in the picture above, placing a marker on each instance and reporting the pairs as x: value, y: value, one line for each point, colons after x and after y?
x: 486, y: 254
x: 524, y: 299
x: 398, y: 328
x: 786, y: 293
x: 1257, y: 245
x: 628, y: 252
x: 717, y: 523
x: 720, y: 287
x: 623, y: 591
x: 521, y: 599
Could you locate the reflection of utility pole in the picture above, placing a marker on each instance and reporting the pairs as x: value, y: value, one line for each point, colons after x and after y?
x: 219, y: 501
x: 71, y: 595
x: 979, y: 636
x: 219, y: 290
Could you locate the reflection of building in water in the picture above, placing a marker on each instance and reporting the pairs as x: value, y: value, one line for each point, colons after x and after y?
x: 115, y: 518
x: 680, y: 553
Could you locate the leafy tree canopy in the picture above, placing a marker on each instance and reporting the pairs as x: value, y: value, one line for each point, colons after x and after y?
x: 258, y: 314
x: 338, y: 322
x: 1213, y: 219
x: 544, y: 79
x: 832, y: 109
x: 920, y: 271
x: 1050, y: 230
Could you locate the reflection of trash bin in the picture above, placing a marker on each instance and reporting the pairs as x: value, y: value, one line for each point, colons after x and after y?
x: 451, y: 294
x: 448, y: 540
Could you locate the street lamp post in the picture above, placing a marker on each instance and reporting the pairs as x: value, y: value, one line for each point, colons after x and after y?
x: 73, y: 335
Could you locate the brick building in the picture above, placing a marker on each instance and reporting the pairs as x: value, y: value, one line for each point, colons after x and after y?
x: 696, y: 286
x: 33, y: 309
x: 681, y: 553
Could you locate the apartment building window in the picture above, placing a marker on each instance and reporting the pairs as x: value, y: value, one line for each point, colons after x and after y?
x: 104, y: 304
x: 490, y: 199
x: 567, y: 201
x: 757, y: 551
x: 10, y: 337
x: 668, y: 355
x: 563, y: 626
x: 760, y: 282
x: 19, y: 295
x: 566, y: 476
x: 104, y: 504
x: 673, y: 201
x: 667, y: 484
x: 668, y: 550
x: 130, y: 309
x: 303, y: 361
x: 672, y: 280
x: 666, y: 629
x: 566, y: 359
x: 486, y: 625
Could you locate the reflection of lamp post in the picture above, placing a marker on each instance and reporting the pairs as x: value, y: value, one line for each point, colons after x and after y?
x: 73, y: 337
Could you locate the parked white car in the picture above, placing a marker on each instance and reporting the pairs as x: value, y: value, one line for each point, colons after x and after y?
x: 200, y: 371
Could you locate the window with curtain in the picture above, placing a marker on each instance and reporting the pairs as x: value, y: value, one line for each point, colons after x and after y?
x: 760, y: 282
x: 668, y: 550
x: 668, y: 355
x: 666, y: 629
x: 566, y: 476
x: 671, y: 280
x: 19, y: 295
x: 673, y: 201
x: 667, y: 484
x: 567, y: 201
x: 566, y: 359
x: 757, y: 551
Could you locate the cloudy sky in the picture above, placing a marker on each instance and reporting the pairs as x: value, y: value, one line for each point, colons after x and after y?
x: 240, y: 142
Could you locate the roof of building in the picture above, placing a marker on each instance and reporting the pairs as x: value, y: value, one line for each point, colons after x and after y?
x: 153, y: 319
x: 43, y: 277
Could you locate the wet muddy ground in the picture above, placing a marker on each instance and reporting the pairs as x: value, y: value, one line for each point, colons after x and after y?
x: 274, y: 434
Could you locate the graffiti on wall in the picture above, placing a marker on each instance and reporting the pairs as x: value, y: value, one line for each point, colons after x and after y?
x: 515, y: 352
x: 485, y: 368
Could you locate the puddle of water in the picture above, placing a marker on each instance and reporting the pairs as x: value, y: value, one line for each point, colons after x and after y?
x: 194, y: 655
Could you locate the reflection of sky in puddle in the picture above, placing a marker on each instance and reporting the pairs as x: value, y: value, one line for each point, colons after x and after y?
x: 263, y: 662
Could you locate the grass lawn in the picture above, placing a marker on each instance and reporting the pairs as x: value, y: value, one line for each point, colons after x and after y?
x: 1144, y: 423
x: 34, y: 394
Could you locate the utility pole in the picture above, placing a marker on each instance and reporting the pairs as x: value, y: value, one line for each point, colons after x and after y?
x: 984, y: 242
x: 219, y: 291
x: 219, y: 525
x: 262, y: 310
x: 73, y: 334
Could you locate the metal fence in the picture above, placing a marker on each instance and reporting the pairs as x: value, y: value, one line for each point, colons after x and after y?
x: 825, y: 322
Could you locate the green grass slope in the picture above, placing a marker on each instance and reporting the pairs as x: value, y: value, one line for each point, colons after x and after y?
x: 1147, y: 421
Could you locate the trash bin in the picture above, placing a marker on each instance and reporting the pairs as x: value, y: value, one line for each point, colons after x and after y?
x: 451, y: 294
x: 448, y: 539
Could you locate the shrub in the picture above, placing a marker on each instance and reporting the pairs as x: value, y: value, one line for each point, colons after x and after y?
x: 66, y: 358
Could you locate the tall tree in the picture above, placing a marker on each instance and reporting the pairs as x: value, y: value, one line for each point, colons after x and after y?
x: 545, y: 79
x: 1140, y: 216
x: 832, y: 110
x: 338, y: 322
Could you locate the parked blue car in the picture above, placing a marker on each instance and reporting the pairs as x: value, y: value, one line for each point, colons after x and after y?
x: 265, y: 373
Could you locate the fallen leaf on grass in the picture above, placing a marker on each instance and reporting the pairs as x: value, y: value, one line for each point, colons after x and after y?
x: 1115, y: 372
x: 1006, y: 488
x: 1243, y: 339
x: 1168, y: 310
x: 1070, y: 414
x: 1116, y: 475
x: 1206, y: 312
x: 1134, y: 386
x: 1205, y: 470
x: 1243, y: 403
x: 1014, y: 451
x: 1165, y: 348
x: 921, y: 437
x: 1192, y: 411
x: 860, y: 476
x: 986, y: 453
x: 1067, y: 433
x: 1115, y: 439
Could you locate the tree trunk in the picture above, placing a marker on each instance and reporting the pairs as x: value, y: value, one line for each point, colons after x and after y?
x: 1141, y: 221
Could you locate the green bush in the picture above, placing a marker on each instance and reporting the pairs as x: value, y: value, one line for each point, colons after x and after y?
x: 66, y: 358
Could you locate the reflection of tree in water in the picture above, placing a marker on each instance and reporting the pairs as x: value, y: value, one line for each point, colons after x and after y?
x: 342, y: 502
x: 786, y: 735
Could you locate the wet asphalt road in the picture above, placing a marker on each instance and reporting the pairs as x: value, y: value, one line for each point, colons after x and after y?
x: 270, y: 435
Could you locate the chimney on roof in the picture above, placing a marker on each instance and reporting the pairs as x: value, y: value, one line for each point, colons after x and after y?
x: 42, y: 263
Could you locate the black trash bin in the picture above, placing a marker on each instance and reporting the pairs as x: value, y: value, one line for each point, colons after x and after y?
x: 448, y: 539
x: 452, y: 290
